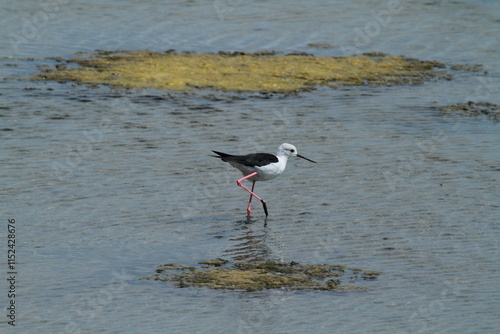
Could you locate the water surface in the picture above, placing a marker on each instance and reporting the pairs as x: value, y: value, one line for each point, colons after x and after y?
x: 105, y: 185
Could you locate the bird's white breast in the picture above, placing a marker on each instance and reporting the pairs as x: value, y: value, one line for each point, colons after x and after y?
x: 268, y: 172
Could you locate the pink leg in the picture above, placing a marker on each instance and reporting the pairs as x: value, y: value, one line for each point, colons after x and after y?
x: 251, y: 192
x: 249, y: 207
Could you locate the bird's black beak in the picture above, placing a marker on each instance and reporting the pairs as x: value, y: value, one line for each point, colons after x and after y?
x: 300, y: 156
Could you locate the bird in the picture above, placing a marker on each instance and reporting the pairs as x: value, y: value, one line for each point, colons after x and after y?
x: 260, y: 167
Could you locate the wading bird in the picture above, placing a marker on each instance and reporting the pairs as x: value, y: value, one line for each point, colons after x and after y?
x: 260, y: 167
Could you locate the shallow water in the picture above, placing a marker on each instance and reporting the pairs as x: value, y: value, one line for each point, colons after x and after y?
x: 106, y: 185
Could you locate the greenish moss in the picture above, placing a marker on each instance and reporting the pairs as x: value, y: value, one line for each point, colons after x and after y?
x: 221, y: 274
x: 263, y: 71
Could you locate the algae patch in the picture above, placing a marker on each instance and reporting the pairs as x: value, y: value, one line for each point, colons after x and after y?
x: 264, y: 71
x: 473, y: 109
x: 221, y: 274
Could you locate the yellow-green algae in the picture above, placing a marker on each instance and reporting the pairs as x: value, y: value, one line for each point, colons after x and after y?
x: 221, y: 274
x: 240, y: 72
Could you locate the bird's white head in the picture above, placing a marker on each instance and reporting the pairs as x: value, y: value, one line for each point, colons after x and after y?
x: 288, y: 150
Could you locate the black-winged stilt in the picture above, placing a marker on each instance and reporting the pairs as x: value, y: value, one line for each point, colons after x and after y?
x: 260, y: 167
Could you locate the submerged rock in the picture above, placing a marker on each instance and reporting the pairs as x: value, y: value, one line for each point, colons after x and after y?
x: 473, y: 109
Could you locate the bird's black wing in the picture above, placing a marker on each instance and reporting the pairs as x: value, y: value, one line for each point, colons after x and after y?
x: 255, y: 159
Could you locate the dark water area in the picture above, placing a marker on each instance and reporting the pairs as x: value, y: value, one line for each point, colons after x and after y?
x: 107, y: 184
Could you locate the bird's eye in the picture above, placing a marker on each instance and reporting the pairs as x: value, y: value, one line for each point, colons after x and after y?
x: 292, y: 150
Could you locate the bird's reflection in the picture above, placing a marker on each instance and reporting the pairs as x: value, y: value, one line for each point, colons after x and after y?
x: 250, y: 244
